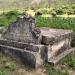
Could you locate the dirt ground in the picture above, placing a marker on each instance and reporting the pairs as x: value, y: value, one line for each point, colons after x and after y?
x: 32, y: 72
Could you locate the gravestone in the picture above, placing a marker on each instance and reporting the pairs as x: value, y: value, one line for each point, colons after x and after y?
x: 57, y: 41
x: 23, y: 30
x: 35, y: 46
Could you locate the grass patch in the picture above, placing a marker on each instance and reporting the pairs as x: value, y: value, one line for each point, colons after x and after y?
x: 54, y: 71
x: 66, y: 64
x: 7, y: 18
x: 7, y: 65
x: 56, y: 22
x: 69, y: 61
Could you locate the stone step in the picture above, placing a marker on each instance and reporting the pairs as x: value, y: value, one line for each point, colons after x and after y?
x: 21, y: 45
x: 57, y: 58
x: 34, y: 58
x: 56, y: 40
x: 25, y: 52
x: 58, y: 48
x: 52, y: 36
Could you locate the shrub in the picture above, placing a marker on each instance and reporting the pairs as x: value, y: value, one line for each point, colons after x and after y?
x: 65, y: 7
x: 74, y: 11
x: 32, y: 8
x: 8, y: 18
x: 59, y: 12
x: 12, y: 13
x: 69, y: 11
x: 53, y: 13
x: 73, y: 6
x: 38, y: 13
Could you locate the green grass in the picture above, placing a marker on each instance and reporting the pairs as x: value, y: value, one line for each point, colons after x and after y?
x: 69, y: 61
x: 52, y: 22
x: 59, y: 23
x: 54, y: 71
x: 66, y: 64
x: 7, y: 65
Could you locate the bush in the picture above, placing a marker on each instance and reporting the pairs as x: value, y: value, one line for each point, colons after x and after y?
x: 53, y: 13
x: 12, y: 13
x: 69, y: 60
x: 74, y: 11
x: 38, y: 13
x: 70, y: 13
x: 65, y: 7
x: 73, y: 7
x: 59, y: 12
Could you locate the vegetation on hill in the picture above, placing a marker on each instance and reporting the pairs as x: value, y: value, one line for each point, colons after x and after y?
x: 33, y: 3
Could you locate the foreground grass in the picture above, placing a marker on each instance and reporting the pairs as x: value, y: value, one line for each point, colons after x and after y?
x: 8, y: 66
x: 52, y: 22
x: 65, y: 66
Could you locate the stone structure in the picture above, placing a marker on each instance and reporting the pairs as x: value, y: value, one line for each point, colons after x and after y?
x: 23, y: 30
x: 35, y: 46
x: 56, y: 40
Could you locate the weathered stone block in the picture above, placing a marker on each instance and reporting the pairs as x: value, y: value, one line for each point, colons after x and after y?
x: 58, y: 48
x: 23, y: 30
x: 56, y: 40
x: 32, y: 55
x: 51, y: 36
x: 21, y: 45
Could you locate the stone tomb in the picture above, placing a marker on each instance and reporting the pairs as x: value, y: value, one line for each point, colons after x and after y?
x: 23, y: 30
x: 35, y: 46
x: 56, y: 41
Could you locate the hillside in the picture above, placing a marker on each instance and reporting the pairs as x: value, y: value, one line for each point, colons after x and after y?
x: 29, y: 3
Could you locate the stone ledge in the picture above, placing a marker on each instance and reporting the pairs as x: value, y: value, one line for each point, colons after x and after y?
x: 51, y: 36
x: 21, y: 45
x: 33, y: 59
x: 56, y: 59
